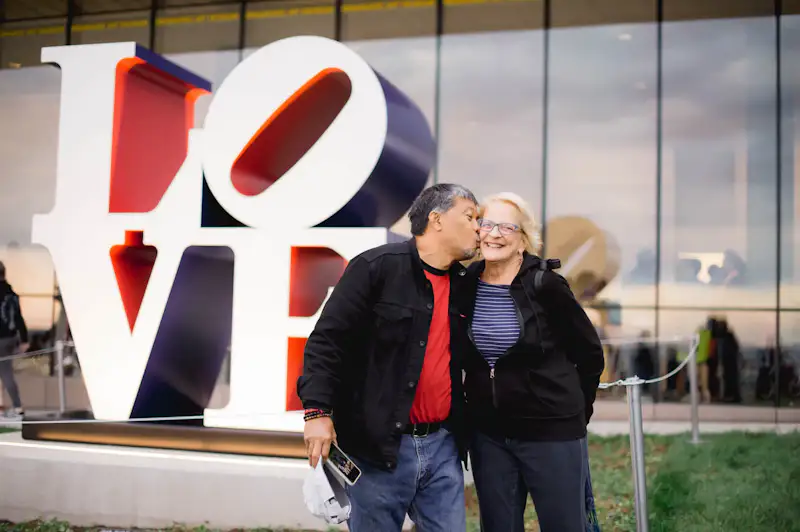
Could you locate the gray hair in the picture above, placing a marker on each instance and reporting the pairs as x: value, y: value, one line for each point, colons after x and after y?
x: 437, y: 198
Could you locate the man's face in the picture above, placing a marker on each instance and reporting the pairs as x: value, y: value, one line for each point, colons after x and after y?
x: 459, y: 229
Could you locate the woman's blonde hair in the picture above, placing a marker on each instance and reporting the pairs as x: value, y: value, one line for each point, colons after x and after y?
x: 531, y: 233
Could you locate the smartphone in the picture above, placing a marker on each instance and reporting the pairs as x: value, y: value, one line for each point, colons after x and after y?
x: 343, y: 465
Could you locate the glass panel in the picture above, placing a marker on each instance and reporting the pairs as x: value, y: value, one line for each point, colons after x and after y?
x: 117, y: 27
x: 788, y: 379
x: 790, y: 163
x: 602, y: 158
x: 271, y: 21
x: 490, y: 108
x: 38, y: 313
x: 734, y: 360
x: 21, y: 43
x: 719, y: 166
x: 193, y: 29
x: 410, y: 65
x: 29, y: 105
x: 213, y: 66
x: 367, y: 19
x: 622, y: 329
x: 29, y: 9
x: 29, y: 270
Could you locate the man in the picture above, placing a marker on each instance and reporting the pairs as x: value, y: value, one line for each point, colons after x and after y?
x: 380, y: 368
x: 12, y: 331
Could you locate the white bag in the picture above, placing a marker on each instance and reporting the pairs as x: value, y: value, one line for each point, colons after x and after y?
x: 325, y: 496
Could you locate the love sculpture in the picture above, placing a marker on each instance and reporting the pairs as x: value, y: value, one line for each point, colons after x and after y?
x: 172, y: 243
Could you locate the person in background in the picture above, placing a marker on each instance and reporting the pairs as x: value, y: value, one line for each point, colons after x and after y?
x: 644, y: 361
x: 730, y: 356
x: 533, y: 365
x: 13, y: 337
x: 383, y: 369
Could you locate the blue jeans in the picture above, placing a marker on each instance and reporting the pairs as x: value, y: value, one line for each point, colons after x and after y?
x: 428, y: 485
x: 553, y: 472
x: 8, y: 347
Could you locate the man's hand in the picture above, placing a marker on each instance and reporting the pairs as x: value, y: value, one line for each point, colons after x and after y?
x: 318, y: 435
x: 23, y: 347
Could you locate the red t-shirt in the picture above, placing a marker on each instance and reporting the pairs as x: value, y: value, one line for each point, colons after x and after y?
x: 432, y: 400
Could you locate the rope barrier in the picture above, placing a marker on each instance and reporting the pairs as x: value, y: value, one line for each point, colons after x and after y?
x: 630, y: 381
x: 617, y: 341
x: 39, y: 352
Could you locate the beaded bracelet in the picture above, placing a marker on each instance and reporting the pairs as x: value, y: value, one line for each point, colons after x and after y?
x: 315, y: 413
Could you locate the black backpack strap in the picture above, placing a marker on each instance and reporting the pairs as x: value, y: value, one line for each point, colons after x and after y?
x: 538, y: 282
x: 544, y: 265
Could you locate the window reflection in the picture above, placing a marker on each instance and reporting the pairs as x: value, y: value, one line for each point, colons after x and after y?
x: 490, y: 113
x: 409, y: 64
x: 602, y: 160
x: 629, y: 338
x: 733, y: 360
x: 481, y: 86
x: 213, y: 66
x: 783, y: 380
x: 790, y: 163
x: 29, y: 105
x: 719, y: 163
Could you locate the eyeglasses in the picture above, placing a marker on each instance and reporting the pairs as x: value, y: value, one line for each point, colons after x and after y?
x: 487, y: 226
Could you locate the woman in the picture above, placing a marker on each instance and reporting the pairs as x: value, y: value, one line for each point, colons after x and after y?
x: 531, y: 378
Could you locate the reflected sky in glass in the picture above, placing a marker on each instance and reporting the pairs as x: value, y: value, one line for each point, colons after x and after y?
x: 718, y: 158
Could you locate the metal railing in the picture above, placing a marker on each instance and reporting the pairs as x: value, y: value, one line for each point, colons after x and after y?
x: 58, y: 349
x: 633, y: 387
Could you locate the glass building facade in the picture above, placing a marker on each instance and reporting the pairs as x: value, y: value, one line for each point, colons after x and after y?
x: 657, y: 140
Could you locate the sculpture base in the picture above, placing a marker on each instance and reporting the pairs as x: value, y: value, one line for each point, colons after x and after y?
x: 122, y: 488
x: 164, y: 436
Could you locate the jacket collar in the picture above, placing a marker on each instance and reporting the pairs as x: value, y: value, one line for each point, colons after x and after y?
x: 456, y: 269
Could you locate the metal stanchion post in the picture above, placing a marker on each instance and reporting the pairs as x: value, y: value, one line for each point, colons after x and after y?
x: 62, y: 389
x: 694, y: 393
x: 634, y: 391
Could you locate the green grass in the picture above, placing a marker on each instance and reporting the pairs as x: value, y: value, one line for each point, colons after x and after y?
x: 734, y: 482
x: 731, y: 482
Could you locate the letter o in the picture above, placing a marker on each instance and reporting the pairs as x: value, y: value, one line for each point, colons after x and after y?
x: 332, y: 170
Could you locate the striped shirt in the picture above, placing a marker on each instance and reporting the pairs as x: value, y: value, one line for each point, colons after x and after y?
x: 495, y: 326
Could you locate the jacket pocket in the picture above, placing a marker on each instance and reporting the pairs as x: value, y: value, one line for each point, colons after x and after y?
x: 512, y: 392
x: 530, y: 393
x: 392, y: 323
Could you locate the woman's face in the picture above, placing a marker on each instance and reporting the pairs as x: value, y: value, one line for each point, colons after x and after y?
x: 500, y: 233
